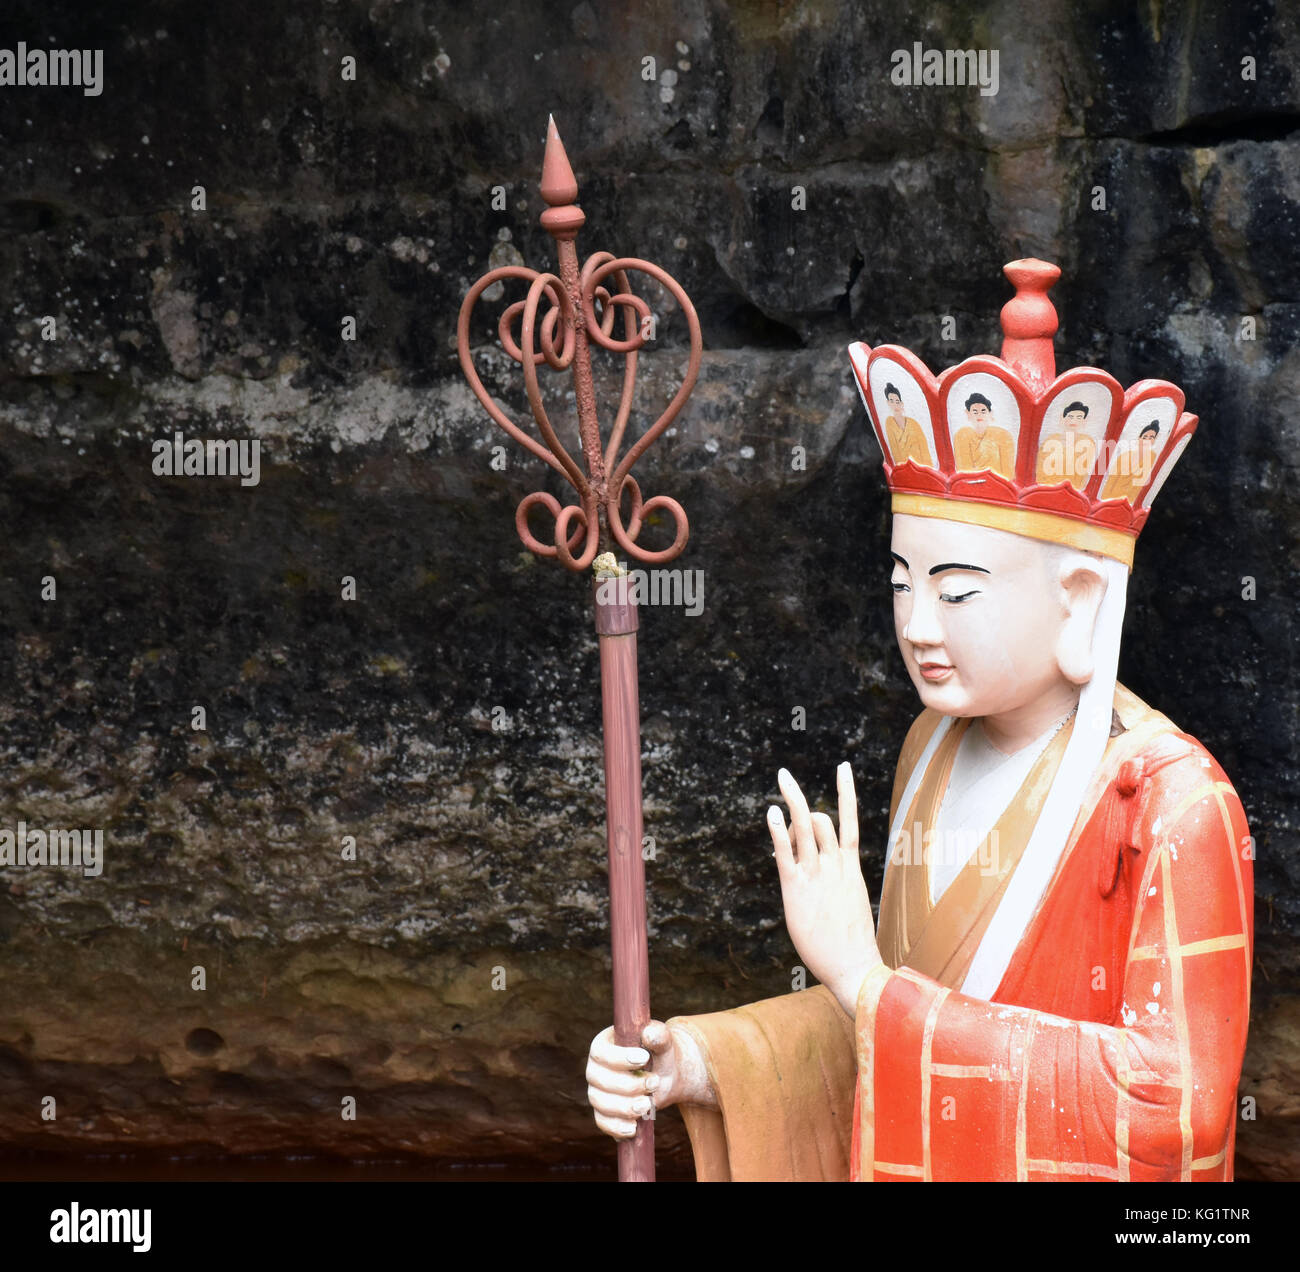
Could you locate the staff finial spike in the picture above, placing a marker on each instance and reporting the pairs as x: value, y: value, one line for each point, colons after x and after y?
x: 559, y: 186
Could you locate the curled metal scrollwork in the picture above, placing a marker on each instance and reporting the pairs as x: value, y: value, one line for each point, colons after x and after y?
x: 559, y: 335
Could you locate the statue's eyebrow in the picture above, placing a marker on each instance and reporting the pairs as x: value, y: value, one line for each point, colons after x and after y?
x: 900, y: 560
x: 953, y: 565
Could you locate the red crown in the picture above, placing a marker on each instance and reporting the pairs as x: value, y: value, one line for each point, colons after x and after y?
x: 1007, y: 443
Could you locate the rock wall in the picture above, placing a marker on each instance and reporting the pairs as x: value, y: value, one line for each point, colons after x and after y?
x: 447, y: 718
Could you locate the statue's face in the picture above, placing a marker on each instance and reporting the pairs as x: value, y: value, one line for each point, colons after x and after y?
x: 979, y: 415
x: 978, y: 614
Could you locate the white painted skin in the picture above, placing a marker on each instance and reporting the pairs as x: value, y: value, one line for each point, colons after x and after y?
x: 1016, y: 637
x: 625, y: 1083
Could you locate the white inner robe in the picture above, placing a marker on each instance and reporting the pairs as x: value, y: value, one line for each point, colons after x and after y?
x: 982, y: 784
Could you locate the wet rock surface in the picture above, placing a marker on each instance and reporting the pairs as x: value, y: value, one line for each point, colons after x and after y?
x: 447, y: 719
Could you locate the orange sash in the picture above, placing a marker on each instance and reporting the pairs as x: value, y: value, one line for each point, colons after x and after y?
x: 940, y: 939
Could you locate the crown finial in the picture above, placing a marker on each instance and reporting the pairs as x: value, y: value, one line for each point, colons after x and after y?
x: 563, y: 218
x: 1029, y: 321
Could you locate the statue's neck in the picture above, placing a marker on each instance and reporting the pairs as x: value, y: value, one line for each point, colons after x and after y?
x: 1012, y: 731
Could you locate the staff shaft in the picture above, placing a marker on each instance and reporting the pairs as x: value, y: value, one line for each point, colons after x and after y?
x: 616, y: 624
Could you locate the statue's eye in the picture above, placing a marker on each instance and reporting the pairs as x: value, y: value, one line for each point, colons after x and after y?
x: 899, y: 588
x: 955, y: 600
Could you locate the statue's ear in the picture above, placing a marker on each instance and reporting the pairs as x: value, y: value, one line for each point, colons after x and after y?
x: 1082, y: 587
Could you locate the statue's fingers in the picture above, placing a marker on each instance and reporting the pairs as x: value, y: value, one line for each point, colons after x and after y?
x: 799, y: 818
x: 782, y: 850
x: 623, y: 1108
x: 655, y: 1037
x: 848, y: 809
x: 614, y: 1081
x: 605, y: 1051
x: 619, y: 1128
x: 824, y: 830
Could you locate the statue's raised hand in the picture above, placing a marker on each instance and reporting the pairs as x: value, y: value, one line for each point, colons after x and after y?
x: 827, y: 909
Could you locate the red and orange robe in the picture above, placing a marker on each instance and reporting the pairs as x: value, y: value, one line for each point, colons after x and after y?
x: 1112, y: 1047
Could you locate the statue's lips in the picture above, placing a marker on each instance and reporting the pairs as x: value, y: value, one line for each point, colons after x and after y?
x: 936, y: 671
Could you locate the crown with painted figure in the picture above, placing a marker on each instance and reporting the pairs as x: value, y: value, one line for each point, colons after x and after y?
x: 1007, y: 443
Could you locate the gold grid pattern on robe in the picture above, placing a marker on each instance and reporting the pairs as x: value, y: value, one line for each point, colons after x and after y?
x: 1129, y: 1048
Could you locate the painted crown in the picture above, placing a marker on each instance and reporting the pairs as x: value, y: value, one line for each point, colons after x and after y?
x: 1007, y: 443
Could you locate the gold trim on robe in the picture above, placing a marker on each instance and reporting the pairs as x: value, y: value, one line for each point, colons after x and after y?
x: 940, y: 939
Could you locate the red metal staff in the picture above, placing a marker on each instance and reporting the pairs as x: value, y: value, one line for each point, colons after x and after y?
x: 580, y: 310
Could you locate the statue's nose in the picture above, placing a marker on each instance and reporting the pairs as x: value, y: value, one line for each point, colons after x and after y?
x: 922, y: 628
